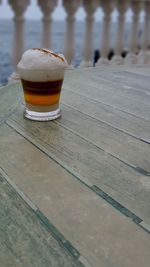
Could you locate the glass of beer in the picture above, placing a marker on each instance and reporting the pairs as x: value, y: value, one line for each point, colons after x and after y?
x: 42, y: 73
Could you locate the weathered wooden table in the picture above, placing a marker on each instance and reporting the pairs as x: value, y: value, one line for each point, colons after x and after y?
x: 76, y: 191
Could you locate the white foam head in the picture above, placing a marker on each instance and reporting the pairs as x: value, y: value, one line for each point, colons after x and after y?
x: 39, y: 64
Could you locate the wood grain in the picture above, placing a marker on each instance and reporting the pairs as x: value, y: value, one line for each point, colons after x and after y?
x: 100, y: 145
x: 24, y: 240
x: 84, y: 159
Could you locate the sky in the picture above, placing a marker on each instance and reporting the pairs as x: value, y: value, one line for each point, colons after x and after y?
x: 33, y: 12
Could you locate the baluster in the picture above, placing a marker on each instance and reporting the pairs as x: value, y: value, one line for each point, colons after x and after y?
x: 47, y: 7
x: 90, y: 8
x: 122, y: 8
x: 107, y: 8
x: 144, y: 56
x: 132, y: 57
x: 18, y: 8
x: 71, y: 8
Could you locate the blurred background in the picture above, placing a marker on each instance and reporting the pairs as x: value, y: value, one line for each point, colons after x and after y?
x: 86, y: 31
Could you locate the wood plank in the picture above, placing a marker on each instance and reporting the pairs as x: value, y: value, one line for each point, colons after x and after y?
x: 116, y: 118
x: 136, y: 77
x: 10, y: 97
x: 99, y: 232
x: 126, y: 148
x: 126, y: 104
x: 24, y: 240
x: 143, y: 70
x: 85, y: 160
x: 120, y: 75
x: 117, y: 143
x: 124, y: 90
x: 112, y: 85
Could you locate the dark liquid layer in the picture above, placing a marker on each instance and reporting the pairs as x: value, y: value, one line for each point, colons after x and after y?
x: 42, y: 93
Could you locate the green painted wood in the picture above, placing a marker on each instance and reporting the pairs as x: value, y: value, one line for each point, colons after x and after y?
x: 24, y: 239
x: 144, y: 70
x: 10, y: 97
x: 123, y: 121
x: 53, y: 162
x: 84, y: 159
x: 92, y: 91
x: 108, y: 87
x: 101, y: 233
x: 114, y: 142
x: 136, y: 79
x: 125, y: 91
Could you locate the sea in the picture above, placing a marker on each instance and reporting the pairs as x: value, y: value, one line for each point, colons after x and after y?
x: 33, y: 38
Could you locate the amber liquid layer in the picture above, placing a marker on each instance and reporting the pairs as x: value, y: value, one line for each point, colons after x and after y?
x: 42, y: 96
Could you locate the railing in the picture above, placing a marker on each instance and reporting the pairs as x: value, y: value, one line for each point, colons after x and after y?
x: 90, y: 6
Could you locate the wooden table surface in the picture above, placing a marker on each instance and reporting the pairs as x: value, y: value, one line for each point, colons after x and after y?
x: 76, y: 191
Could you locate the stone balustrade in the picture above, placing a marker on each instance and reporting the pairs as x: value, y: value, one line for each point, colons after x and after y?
x: 137, y: 52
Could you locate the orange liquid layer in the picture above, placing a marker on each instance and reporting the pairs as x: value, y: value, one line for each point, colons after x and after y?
x: 42, y: 99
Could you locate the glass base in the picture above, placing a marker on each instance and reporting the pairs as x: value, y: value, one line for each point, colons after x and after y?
x: 42, y: 116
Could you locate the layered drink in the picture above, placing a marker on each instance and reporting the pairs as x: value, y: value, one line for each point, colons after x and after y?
x: 42, y: 73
